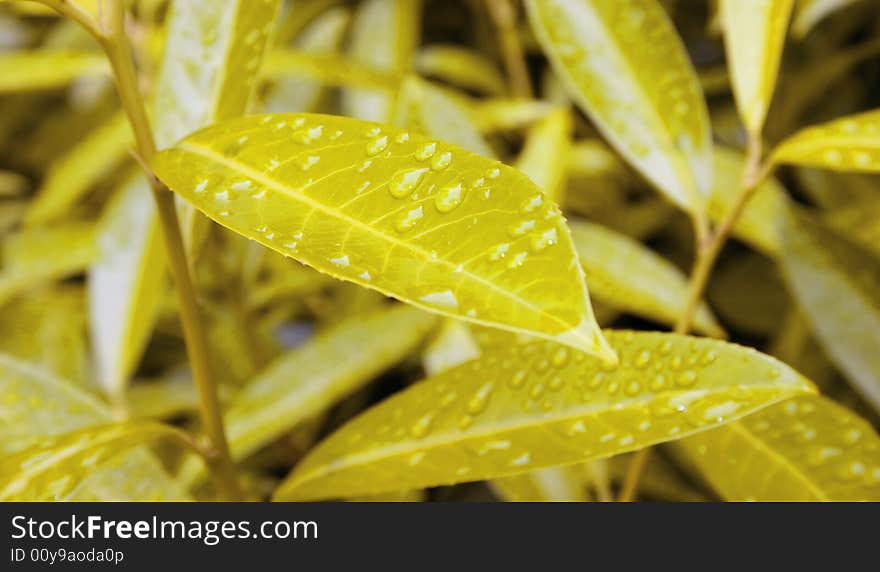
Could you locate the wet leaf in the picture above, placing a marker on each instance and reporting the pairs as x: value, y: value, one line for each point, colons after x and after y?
x: 521, y: 408
x: 37, y: 406
x: 754, y: 33
x: 643, y: 96
x: 805, y: 449
x: 846, y: 144
x: 628, y: 276
x: 474, y: 232
x: 56, y: 468
x: 837, y: 284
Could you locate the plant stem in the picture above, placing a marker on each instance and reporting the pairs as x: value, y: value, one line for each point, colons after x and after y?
x: 115, y: 43
x: 708, y: 249
x: 504, y: 16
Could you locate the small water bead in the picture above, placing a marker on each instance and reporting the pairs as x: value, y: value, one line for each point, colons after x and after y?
x: 222, y: 196
x: 544, y: 239
x: 422, y: 426
x: 336, y: 135
x: 633, y: 388
x: 832, y: 156
x: 307, y: 136
x: 465, y: 422
x: 709, y: 357
x: 577, y: 427
x: 658, y: 383
x: 498, y: 252
x: 536, y: 391
x: 517, y: 260
x: 200, y: 188
x: 404, y: 183
x: 626, y: 440
x: 377, y: 145
x: 560, y: 357
x: 556, y: 383
x: 307, y: 163
x: 449, y: 198
x: 373, y: 132
x: 596, y: 380
x: 426, y: 152
x: 365, y: 165
x: 445, y: 299
x: 521, y: 228
x: 401, y: 137
x: 613, y: 387
x: 364, y: 186
x: 441, y: 161
x: 365, y: 276
x: 480, y: 399
x: 410, y: 219
x: 686, y: 378
x: 493, y: 173
x: 518, y: 379
x: 521, y: 460
x: 416, y: 458
x: 341, y: 261
x: 532, y: 204
x: 642, y: 359
x: 496, y: 445
x: 449, y: 399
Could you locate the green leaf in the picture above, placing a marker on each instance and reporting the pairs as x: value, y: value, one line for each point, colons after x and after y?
x: 628, y: 276
x: 461, y: 67
x: 643, y: 95
x: 439, y: 113
x: 805, y: 449
x: 846, y: 144
x: 35, y: 256
x: 754, y: 34
x: 309, y: 379
x: 808, y: 13
x: 503, y: 114
x: 527, y: 407
x: 545, y: 154
x: 837, y: 284
x: 126, y: 283
x: 56, y: 468
x: 384, y: 37
x: 36, y: 406
x: 428, y: 223
x: 329, y: 69
x: 73, y: 174
x: 48, y: 69
x: 759, y: 224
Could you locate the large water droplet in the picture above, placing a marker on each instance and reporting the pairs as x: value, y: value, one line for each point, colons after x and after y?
x: 377, y: 145
x: 404, y: 183
x: 449, y: 198
x: 410, y: 219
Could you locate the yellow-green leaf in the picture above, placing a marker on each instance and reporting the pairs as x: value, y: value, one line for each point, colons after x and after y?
x: 805, y: 449
x: 754, y: 34
x: 527, y: 407
x: 625, y: 66
x: 440, y: 113
x: 453, y: 344
x: 35, y: 256
x: 545, y: 154
x: 759, y: 224
x: 384, y: 36
x: 57, y: 467
x: 628, y: 276
x: 73, y: 174
x: 501, y: 114
x: 329, y: 69
x: 846, y: 144
x: 431, y: 224
x: 461, y: 67
x: 837, y: 284
x: 307, y: 380
x: 48, y: 69
x: 36, y: 406
x: 125, y: 284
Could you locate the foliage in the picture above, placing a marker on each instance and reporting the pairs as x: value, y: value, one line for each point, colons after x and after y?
x: 395, y: 249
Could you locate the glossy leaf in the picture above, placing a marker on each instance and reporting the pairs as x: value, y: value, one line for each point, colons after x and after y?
x: 426, y: 222
x: 461, y: 67
x: 628, y: 276
x: 454, y: 344
x: 38, y: 70
x: 56, y: 468
x: 846, y: 144
x: 837, y: 284
x: 643, y: 95
x: 73, y: 174
x: 311, y: 378
x: 329, y: 69
x: 754, y: 33
x: 37, y: 406
x: 527, y: 407
x: 805, y: 449
x: 502, y: 114
x: 384, y: 36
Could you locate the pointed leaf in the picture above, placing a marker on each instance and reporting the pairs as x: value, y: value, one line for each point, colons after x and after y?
x: 37, y: 406
x: 805, y: 449
x: 521, y: 408
x: 846, y: 144
x: 643, y: 95
x: 837, y: 284
x: 628, y: 276
x: 55, y: 468
x: 545, y: 154
x: 754, y: 34
x: 462, y: 67
x: 48, y: 69
x: 433, y: 225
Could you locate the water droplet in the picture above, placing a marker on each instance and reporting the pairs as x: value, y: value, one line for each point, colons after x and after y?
x: 517, y: 260
x: 445, y: 299
x: 522, y: 227
x: 426, y: 152
x: 480, y: 399
x: 686, y: 378
x: 555, y: 383
x: 536, y: 391
x: 493, y: 173
x: 416, y: 458
x: 200, y: 188
x: 465, y: 422
x: 633, y: 388
x: 377, y: 145
x: 521, y: 460
x: 307, y: 163
x: 518, y: 379
x: 499, y: 252
x: 441, y: 161
x: 410, y: 219
x: 404, y: 183
x: 449, y: 198
x: 365, y: 276
x: 422, y: 426
x: 532, y: 204
x: 221, y: 196
x: 560, y: 357
x: 402, y: 137
x: 643, y: 359
x: 543, y: 240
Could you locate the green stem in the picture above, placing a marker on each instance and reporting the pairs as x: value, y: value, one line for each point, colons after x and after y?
x: 708, y: 249
x: 116, y: 46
